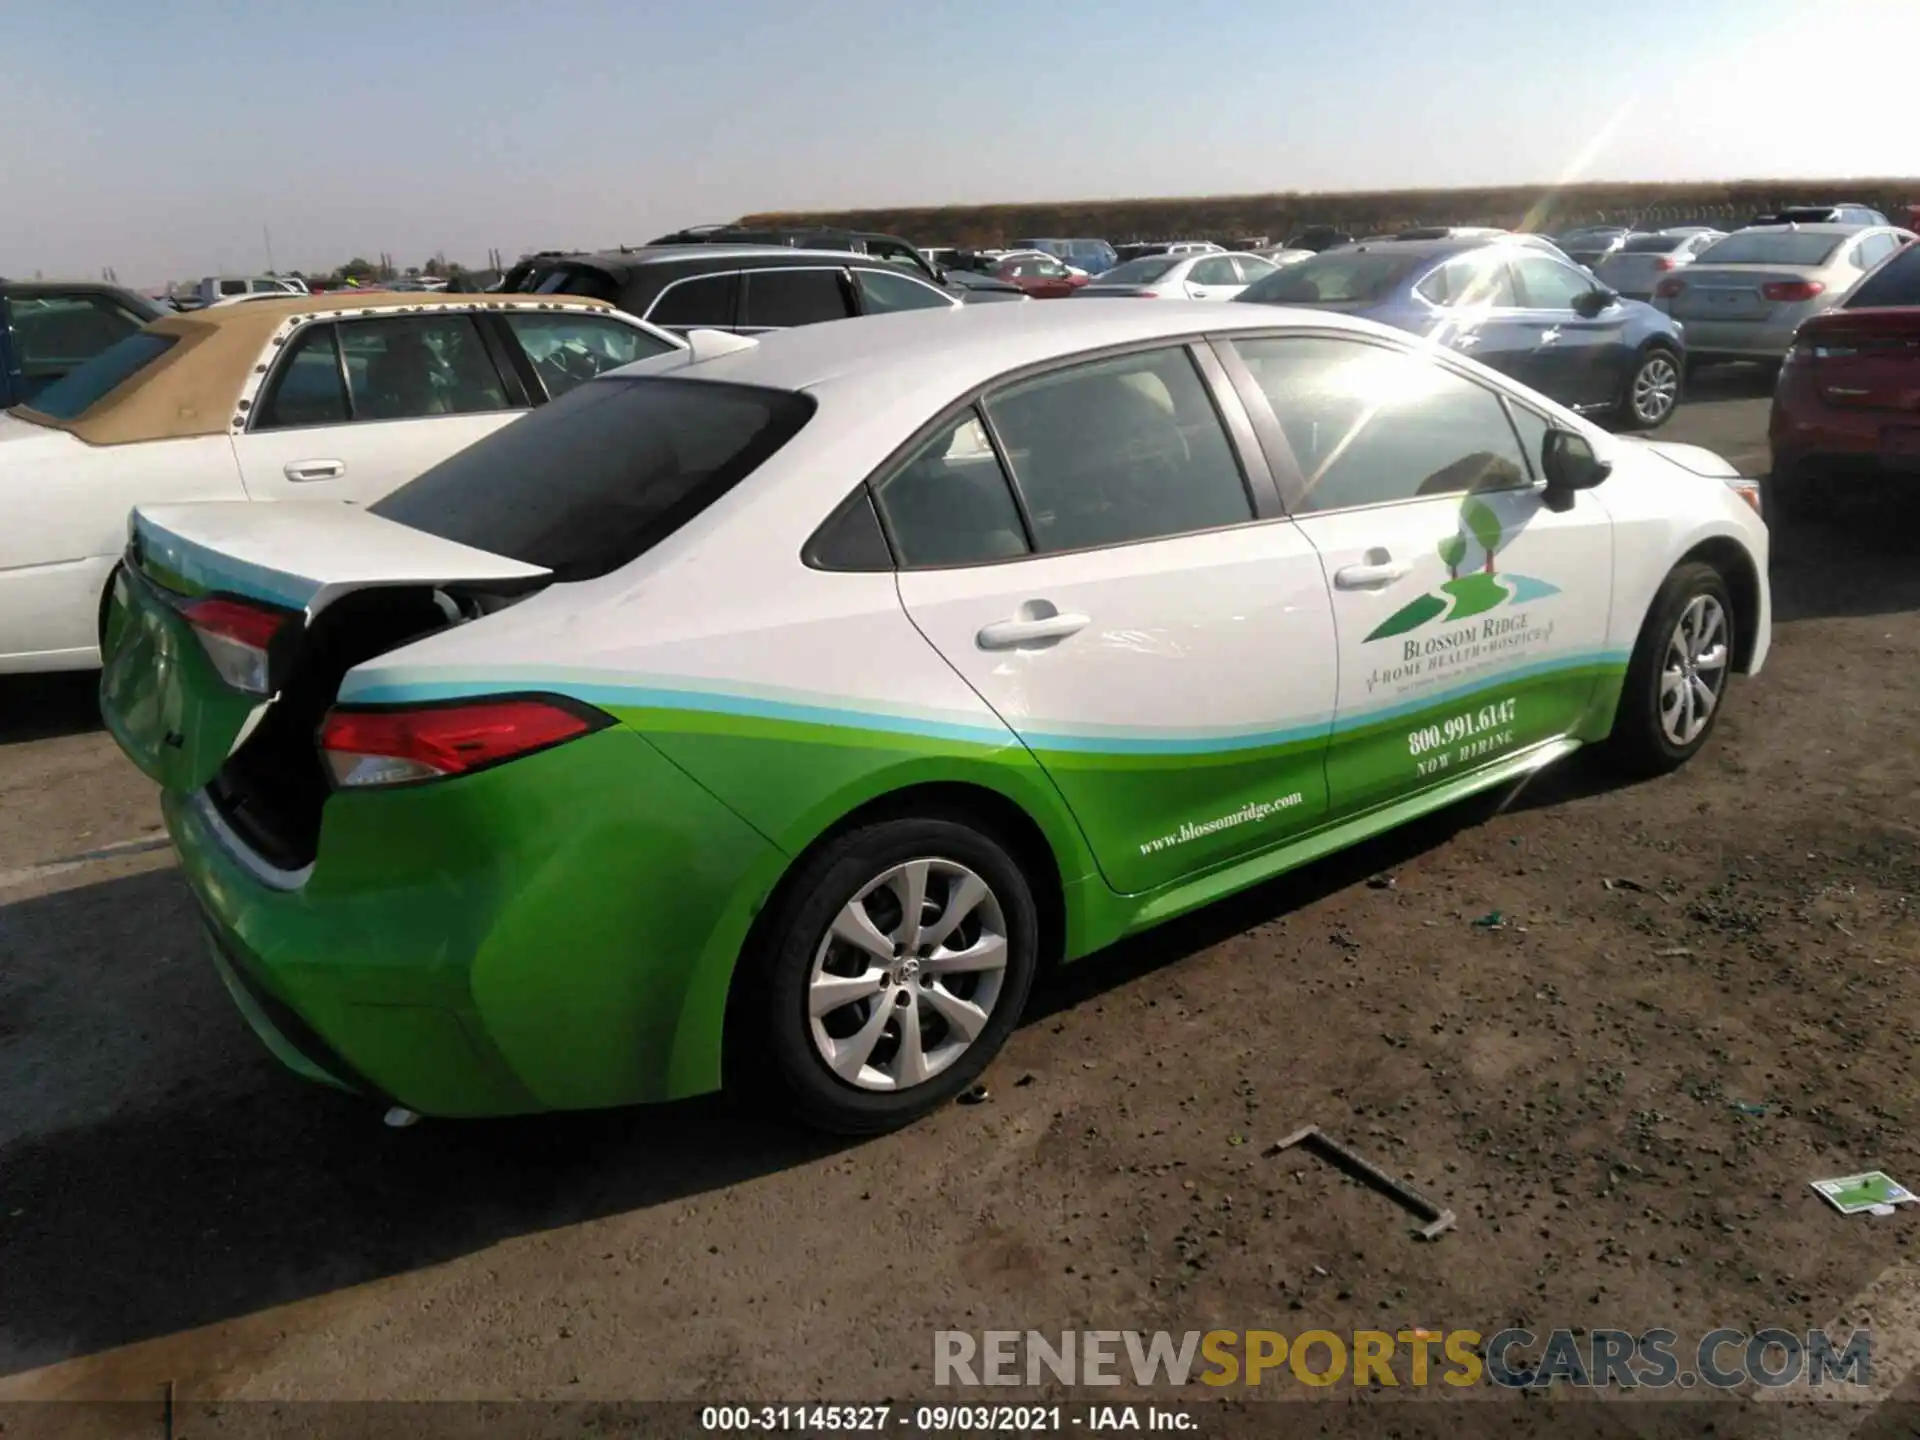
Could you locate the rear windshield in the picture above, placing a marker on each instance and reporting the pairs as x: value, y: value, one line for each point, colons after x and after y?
x: 84, y: 386
x: 1895, y: 283
x: 1140, y: 272
x: 1332, y: 278
x: 598, y: 477
x: 1771, y: 247
x: 578, y: 280
x: 1653, y: 244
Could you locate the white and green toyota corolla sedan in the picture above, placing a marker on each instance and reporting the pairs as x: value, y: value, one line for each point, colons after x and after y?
x: 774, y: 710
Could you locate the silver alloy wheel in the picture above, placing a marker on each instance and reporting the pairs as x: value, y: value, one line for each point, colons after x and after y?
x: 1695, y: 671
x: 907, y: 975
x: 1656, y: 388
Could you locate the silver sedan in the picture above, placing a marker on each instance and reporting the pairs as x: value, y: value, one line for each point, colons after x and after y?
x: 1636, y: 269
x: 1745, y: 295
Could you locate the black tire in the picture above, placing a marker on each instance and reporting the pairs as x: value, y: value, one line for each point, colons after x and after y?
x: 782, y: 1060
x: 1651, y: 363
x: 1640, y: 745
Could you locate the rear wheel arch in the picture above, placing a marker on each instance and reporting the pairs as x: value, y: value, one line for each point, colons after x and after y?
x: 978, y: 806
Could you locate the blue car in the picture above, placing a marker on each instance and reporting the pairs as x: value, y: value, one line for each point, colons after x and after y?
x: 1513, y: 307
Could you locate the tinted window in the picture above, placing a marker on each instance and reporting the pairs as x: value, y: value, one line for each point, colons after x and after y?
x: 54, y: 333
x: 1139, y: 272
x: 1653, y: 244
x: 1478, y: 279
x: 1369, y: 425
x: 602, y: 474
x: 1124, y: 449
x: 1895, y: 283
x: 777, y: 299
x: 414, y: 366
x: 881, y: 292
x: 1772, y: 247
x: 1252, y: 268
x: 1333, y: 278
x: 1549, y: 285
x: 703, y: 300
x: 951, y: 504
x: 851, y: 539
x: 233, y: 287
x: 567, y: 349
x: 579, y: 280
x: 1216, y: 271
x: 307, y: 389
x: 76, y: 392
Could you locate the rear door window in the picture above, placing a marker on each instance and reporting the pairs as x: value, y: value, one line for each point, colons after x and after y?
x: 951, y: 503
x: 600, y: 476
x: 1119, y: 450
x: 781, y: 299
x: 1470, y: 281
x: 567, y: 349
x: 700, y: 301
x: 308, y: 389
x: 411, y: 367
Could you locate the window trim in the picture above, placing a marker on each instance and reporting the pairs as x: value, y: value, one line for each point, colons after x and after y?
x: 1525, y: 296
x: 1285, y: 465
x: 1257, y: 477
x: 1505, y: 262
x: 894, y: 272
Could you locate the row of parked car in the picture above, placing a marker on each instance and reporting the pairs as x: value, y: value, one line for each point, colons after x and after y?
x: 114, y: 398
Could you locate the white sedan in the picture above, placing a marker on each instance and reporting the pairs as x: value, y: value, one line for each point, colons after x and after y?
x: 1219, y: 276
x: 772, y: 712
x: 338, y: 397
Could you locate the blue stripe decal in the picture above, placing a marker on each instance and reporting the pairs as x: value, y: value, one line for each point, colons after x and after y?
x: 1105, y: 740
x: 235, y: 577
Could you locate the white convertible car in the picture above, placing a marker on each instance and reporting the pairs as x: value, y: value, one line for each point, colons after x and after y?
x: 337, y: 397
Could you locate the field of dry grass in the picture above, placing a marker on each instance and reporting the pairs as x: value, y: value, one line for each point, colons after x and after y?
x: 1532, y: 207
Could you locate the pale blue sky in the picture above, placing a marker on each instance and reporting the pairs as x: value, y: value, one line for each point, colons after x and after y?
x: 160, y: 136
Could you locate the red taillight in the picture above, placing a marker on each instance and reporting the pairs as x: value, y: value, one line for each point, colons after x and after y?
x: 1667, y: 289
x: 393, y: 747
x: 1792, y: 290
x: 236, y: 637
x: 1662, y: 262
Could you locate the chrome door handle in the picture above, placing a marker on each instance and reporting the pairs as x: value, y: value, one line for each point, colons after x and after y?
x: 1465, y: 342
x: 1549, y: 336
x: 315, y: 469
x: 1365, y: 577
x: 1007, y: 634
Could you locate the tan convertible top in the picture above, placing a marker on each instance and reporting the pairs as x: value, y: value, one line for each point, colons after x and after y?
x: 194, y: 388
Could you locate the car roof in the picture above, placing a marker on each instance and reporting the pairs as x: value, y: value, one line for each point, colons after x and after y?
x: 623, y: 263
x: 193, y: 388
x: 1825, y: 227
x: 938, y: 354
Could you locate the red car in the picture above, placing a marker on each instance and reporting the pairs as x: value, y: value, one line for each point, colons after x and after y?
x: 1847, y: 405
x: 1041, y: 276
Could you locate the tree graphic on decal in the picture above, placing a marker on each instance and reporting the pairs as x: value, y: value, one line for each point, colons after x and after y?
x: 1475, y: 593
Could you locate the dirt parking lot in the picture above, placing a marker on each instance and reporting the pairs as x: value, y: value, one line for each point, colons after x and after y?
x: 1700, y: 995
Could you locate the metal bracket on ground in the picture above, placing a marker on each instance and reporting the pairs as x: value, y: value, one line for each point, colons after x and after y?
x: 1310, y: 1137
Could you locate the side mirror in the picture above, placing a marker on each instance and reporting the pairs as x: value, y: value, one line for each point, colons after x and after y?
x: 1594, y: 302
x: 1569, y: 464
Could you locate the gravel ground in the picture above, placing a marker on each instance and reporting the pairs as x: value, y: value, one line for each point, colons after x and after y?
x: 1699, y: 996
